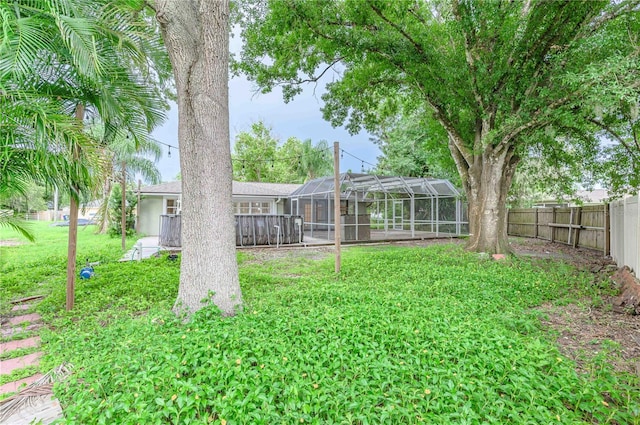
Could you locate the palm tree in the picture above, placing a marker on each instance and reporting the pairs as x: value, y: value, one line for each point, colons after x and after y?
x: 315, y: 161
x: 98, y: 58
x: 34, y: 138
x: 123, y: 161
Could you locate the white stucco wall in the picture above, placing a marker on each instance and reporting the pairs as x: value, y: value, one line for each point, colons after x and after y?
x: 150, y: 211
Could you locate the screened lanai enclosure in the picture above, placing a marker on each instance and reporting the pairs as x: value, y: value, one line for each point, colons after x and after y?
x: 376, y: 207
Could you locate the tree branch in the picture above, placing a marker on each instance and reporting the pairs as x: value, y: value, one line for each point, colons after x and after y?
x: 616, y: 136
x: 470, y: 60
x: 619, y: 9
x: 397, y: 27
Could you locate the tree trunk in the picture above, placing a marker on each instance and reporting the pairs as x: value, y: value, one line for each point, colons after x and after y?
x: 71, y: 252
x: 123, y: 216
x: 196, y: 33
x: 103, y: 212
x: 487, y: 184
x: 73, y: 227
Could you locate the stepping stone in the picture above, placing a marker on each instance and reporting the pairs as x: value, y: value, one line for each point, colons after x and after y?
x: 9, y: 365
x: 34, y: 341
x: 21, y: 307
x: 15, y: 386
x: 33, y: 317
x: 43, y: 410
x: 9, y: 332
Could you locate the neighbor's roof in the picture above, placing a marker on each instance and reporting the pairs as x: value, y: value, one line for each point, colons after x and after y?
x: 238, y: 189
x: 596, y: 196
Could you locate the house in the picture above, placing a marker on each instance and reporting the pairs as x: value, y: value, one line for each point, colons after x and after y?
x: 372, y: 207
x: 249, y: 198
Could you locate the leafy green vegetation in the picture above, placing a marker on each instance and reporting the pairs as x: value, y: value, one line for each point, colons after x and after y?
x: 40, y: 268
x: 403, y: 335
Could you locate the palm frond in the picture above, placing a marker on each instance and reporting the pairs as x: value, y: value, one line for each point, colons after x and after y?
x: 21, y: 226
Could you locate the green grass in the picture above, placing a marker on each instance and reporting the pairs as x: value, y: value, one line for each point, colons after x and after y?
x: 403, y: 336
x: 40, y: 268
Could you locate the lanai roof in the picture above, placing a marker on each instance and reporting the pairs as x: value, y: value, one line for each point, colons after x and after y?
x: 370, y: 183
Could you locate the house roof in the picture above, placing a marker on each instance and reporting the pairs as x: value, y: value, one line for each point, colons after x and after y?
x: 596, y: 196
x: 238, y: 189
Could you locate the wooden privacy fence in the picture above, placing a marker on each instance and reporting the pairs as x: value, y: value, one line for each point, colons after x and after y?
x: 250, y: 230
x: 581, y: 227
x: 268, y: 229
x: 170, y: 230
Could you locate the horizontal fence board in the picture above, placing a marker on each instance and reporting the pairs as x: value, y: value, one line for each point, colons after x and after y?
x: 583, y: 227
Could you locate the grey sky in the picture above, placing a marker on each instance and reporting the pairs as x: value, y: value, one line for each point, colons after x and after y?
x: 299, y: 118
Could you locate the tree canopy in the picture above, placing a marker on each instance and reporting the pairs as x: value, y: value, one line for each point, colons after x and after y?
x: 261, y: 156
x: 505, y: 81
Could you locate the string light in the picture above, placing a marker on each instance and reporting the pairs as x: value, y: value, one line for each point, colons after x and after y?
x: 298, y: 157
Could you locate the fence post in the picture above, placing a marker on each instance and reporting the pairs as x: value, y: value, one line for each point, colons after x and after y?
x: 637, y: 267
x: 607, y: 230
x: 578, y: 222
x: 553, y: 220
x: 535, y: 224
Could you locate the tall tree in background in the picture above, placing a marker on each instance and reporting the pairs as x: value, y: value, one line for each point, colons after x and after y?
x: 196, y: 33
x: 315, y: 161
x: 254, y: 156
x: 494, y: 75
x: 122, y: 157
x: 259, y: 157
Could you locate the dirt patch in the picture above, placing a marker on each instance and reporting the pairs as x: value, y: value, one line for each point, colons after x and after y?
x: 629, y: 300
x: 584, y: 332
x: 261, y: 255
x: 10, y: 242
x: 592, y: 327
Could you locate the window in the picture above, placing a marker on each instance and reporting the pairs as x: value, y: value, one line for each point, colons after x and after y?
x: 172, y: 206
x: 242, y: 207
x: 252, y: 208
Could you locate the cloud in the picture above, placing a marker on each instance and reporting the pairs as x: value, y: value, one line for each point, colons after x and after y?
x: 299, y: 118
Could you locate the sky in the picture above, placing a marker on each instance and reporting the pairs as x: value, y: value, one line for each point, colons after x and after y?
x: 299, y: 118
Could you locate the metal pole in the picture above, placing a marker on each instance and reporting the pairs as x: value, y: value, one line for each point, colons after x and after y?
x: 336, y: 201
x: 413, y: 215
x: 357, y: 224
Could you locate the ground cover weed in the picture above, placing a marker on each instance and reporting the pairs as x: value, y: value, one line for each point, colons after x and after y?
x: 403, y: 335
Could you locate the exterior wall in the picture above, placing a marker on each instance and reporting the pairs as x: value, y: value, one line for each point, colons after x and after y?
x: 284, y: 207
x: 151, y: 207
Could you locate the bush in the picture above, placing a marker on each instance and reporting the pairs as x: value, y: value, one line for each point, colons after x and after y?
x: 115, y: 212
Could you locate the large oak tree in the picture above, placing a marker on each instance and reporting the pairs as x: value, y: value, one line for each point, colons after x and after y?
x: 501, y: 78
x: 196, y: 33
